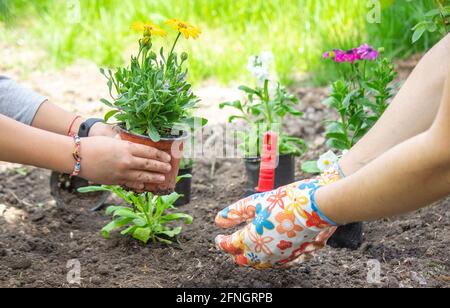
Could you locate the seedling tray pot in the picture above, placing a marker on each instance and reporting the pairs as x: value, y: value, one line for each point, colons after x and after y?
x: 184, y: 187
x: 63, y: 187
x: 284, y: 173
x: 173, y: 146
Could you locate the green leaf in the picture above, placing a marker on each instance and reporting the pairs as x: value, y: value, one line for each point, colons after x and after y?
x: 142, y: 234
x: 171, y: 233
x: 235, y: 104
x: 127, y: 213
x: 193, y: 121
x: 177, y: 217
x: 153, y: 133
x: 249, y: 90
x: 232, y: 118
x: 337, y: 144
x: 140, y: 222
x: 115, y: 224
x: 129, y: 230
x: 339, y: 136
x: 110, y: 114
x: 419, y: 30
x: 310, y: 167
x: 170, y: 199
x: 91, y: 189
x: 107, y: 103
x: 184, y: 176
x: 111, y: 209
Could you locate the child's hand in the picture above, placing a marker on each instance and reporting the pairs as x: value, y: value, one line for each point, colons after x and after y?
x: 283, y: 225
x: 111, y: 161
x: 103, y: 130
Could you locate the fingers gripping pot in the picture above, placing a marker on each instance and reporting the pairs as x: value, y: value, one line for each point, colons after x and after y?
x: 173, y: 146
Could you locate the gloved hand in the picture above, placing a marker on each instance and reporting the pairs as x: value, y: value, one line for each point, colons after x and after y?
x: 283, y: 225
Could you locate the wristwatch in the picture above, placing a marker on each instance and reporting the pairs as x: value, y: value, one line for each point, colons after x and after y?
x: 86, y: 126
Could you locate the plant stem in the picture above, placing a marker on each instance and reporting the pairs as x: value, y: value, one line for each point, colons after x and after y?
x: 174, y: 44
x: 266, y: 101
x: 344, y: 127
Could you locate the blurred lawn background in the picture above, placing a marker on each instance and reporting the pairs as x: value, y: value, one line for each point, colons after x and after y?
x: 296, y: 31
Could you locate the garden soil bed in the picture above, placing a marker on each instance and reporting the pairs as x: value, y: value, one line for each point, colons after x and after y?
x: 37, y: 238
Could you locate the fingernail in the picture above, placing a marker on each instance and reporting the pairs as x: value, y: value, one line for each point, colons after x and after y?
x: 161, y: 178
x: 168, y: 167
x: 167, y: 157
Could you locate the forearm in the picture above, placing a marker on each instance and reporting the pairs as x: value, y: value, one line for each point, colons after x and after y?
x: 31, y: 146
x: 54, y: 119
x: 406, y: 178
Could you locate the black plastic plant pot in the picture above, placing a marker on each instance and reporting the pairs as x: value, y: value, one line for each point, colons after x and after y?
x: 348, y: 236
x: 64, y: 189
x: 284, y: 173
x: 184, y: 187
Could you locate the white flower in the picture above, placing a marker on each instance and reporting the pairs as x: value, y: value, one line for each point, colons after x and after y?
x: 259, y: 66
x: 326, y: 161
x: 266, y: 58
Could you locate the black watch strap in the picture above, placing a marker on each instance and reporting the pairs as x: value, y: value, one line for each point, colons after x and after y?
x: 86, y: 126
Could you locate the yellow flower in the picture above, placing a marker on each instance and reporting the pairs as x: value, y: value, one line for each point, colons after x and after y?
x: 185, y: 28
x: 149, y: 29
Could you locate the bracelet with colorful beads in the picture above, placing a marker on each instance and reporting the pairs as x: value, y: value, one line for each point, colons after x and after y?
x: 76, y: 155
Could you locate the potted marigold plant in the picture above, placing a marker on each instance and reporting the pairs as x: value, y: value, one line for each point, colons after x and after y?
x: 264, y: 109
x: 152, y: 99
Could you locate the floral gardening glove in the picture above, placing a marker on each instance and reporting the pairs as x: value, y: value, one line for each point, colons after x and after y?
x: 284, y: 225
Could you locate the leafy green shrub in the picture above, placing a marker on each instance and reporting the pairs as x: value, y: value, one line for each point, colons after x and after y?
x: 436, y: 20
x: 265, y: 109
x: 146, y: 219
x: 360, y: 98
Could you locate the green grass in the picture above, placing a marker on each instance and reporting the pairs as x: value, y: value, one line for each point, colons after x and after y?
x: 296, y: 31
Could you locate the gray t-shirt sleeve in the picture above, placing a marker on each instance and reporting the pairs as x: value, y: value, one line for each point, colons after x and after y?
x: 17, y: 102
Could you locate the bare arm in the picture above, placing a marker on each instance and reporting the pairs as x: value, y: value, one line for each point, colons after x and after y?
x: 54, y: 119
x: 408, y: 177
x: 104, y: 160
x: 25, y: 145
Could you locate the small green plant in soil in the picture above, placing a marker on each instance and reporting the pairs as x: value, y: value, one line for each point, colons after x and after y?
x: 152, y: 96
x: 436, y: 20
x: 359, y: 98
x: 264, y: 109
x: 147, y: 216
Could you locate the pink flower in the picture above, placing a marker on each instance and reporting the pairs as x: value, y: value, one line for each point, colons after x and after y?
x: 365, y: 52
x: 340, y: 56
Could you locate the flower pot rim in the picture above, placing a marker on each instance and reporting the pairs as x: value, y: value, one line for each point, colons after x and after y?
x: 187, y: 169
x: 258, y: 158
x: 184, y: 136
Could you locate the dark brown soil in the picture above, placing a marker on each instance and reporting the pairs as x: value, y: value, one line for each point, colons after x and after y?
x: 36, y: 246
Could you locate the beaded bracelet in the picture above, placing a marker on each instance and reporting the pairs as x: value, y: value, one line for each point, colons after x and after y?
x: 76, y: 155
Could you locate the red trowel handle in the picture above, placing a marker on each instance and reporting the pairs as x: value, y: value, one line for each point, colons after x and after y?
x: 269, y: 159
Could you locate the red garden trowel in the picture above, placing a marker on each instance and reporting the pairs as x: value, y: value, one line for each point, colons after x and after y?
x: 269, y: 162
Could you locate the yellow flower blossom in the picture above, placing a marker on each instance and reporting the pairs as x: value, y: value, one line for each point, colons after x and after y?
x: 149, y: 29
x: 185, y: 28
